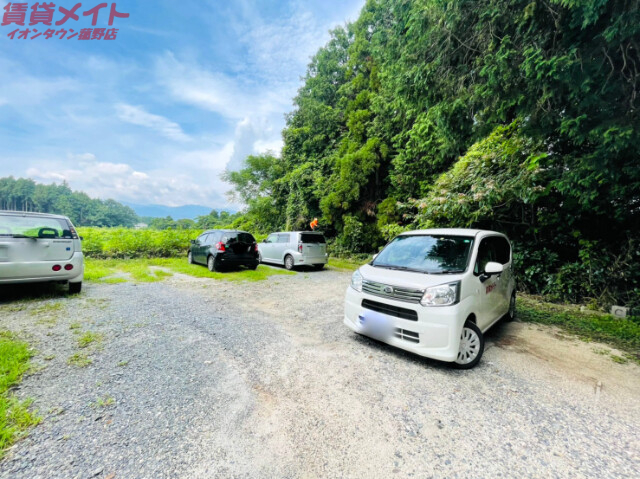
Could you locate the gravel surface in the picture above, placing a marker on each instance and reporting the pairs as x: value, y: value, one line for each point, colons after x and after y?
x: 195, y: 378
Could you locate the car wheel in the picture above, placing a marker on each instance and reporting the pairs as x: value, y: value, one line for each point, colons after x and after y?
x: 318, y: 267
x: 471, y: 347
x: 511, y: 314
x: 259, y: 257
x: 253, y: 266
x: 75, y: 288
x: 212, y: 264
x: 190, y: 258
x: 288, y: 262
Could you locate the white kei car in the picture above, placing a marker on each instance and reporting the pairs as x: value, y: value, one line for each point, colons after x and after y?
x: 38, y: 247
x: 434, y: 293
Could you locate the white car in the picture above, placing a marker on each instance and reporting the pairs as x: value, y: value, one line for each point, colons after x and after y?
x: 294, y: 248
x: 37, y: 247
x: 434, y: 293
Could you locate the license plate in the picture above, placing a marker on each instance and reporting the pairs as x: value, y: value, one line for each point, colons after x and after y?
x: 376, y: 325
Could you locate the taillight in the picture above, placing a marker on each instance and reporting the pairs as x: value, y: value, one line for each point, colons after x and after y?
x: 255, y: 247
x: 56, y: 267
x: 220, y: 246
x: 300, y: 248
x: 68, y: 267
x: 74, y: 233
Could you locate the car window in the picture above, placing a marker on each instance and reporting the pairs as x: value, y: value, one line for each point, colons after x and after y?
x: 34, y: 227
x: 312, y: 238
x: 486, y: 253
x: 501, y: 249
x: 283, y: 238
x: 229, y: 238
x: 272, y: 238
x: 246, y: 238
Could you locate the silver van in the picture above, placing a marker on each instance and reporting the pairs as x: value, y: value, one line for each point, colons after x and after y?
x: 294, y: 248
x: 37, y: 247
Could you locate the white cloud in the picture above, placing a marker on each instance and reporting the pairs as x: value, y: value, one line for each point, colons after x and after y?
x: 172, y: 187
x: 138, y: 116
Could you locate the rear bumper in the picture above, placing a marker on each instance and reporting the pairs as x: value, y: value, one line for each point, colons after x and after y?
x: 238, y: 261
x: 302, y: 259
x: 40, y: 271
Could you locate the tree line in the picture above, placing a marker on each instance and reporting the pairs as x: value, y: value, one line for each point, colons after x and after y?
x: 24, y: 194
x: 516, y: 116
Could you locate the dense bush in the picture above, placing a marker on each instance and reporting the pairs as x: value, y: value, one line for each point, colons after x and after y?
x: 130, y: 243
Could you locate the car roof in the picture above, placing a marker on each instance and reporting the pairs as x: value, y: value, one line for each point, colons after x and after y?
x: 225, y: 231
x: 306, y: 232
x: 452, y: 232
x: 32, y: 213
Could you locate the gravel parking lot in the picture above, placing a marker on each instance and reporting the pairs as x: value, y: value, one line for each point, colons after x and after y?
x: 195, y: 378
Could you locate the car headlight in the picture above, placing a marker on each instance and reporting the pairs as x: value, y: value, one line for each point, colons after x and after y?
x: 356, y: 281
x: 441, y: 295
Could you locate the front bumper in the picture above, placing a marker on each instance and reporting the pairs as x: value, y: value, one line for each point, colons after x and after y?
x: 436, y: 333
x: 40, y: 271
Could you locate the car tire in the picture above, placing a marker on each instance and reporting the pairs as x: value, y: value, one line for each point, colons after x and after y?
x: 471, y: 347
x: 75, y: 288
x: 511, y: 314
x: 190, y: 257
x: 318, y: 267
x: 259, y: 257
x: 253, y: 266
x: 288, y: 262
x: 212, y: 264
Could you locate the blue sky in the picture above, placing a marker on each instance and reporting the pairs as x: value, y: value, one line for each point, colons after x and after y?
x: 187, y: 89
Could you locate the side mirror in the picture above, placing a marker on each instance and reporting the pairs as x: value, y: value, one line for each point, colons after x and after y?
x: 493, y: 268
x: 81, y: 238
x: 193, y: 241
x: 264, y: 240
x: 490, y: 269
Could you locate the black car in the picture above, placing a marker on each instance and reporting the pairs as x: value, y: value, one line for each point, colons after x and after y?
x: 219, y: 249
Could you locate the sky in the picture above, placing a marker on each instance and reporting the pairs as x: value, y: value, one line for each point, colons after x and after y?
x: 187, y: 89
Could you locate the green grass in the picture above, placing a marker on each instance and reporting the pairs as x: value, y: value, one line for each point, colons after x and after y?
x: 15, y: 418
x: 180, y: 265
x: 79, y: 360
x: 141, y: 270
x: 88, y: 338
x: 103, y: 402
x: 623, y: 334
x: 344, y: 264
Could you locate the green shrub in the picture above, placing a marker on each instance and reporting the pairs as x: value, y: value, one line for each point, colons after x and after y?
x: 108, y: 243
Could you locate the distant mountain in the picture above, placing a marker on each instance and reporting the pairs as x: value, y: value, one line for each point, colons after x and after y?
x: 176, y: 212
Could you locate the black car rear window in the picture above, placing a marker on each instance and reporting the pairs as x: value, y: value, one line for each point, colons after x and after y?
x: 312, y: 238
x: 239, y: 237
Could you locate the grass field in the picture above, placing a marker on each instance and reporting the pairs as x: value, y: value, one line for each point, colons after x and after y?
x: 15, y: 417
x: 155, y: 269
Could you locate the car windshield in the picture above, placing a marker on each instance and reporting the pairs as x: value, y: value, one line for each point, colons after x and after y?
x: 33, y: 227
x: 433, y: 254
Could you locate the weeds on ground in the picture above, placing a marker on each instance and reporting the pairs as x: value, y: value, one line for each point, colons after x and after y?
x: 103, y: 402
x: 589, y: 326
x: 79, y: 360
x: 15, y: 417
x: 87, y: 338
